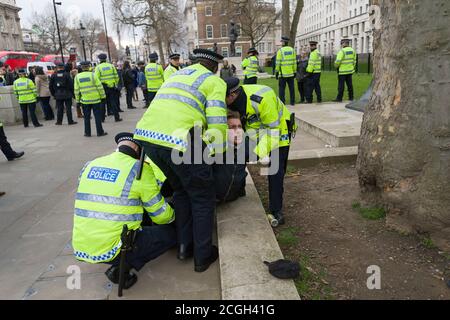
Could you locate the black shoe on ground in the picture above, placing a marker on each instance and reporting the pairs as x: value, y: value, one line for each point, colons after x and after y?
x: 120, y: 110
x: 87, y: 135
x: 2, y: 193
x: 103, y: 134
x: 203, y: 266
x: 58, y: 124
x: 280, y: 217
x: 16, y: 156
x: 39, y: 125
x: 118, y: 120
x: 113, y: 275
x: 72, y: 123
x: 185, y: 252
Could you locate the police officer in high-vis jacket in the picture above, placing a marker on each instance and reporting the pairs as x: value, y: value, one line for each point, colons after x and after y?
x: 250, y: 65
x: 25, y: 91
x: 345, y: 63
x: 154, y: 73
x: 269, y: 123
x: 90, y: 93
x: 190, y: 102
x: 314, y: 70
x: 286, y: 69
x: 174, y: 65
x: 109, y: 78
x: 109, y: 196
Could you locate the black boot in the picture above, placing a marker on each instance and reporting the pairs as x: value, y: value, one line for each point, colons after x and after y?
x: 113, y: 275
x: 17, y: 155
x: 204, y: 265
x: 280, y: 217
x: 185, y: 252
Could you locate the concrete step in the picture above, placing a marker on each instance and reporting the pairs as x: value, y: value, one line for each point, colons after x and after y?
x: 310, y: 158
x: 246, y: 240
x: 330, y: 122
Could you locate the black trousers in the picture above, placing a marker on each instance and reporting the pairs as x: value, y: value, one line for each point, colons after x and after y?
x: 5, y: 146
x: 313, y: 84
x: 145, y: 94
x: 302, y: 90
x: 194, y: 200
x: 276, y: 182
x: 60, y: 104
x: 97, y: 110
x: 46, y: 108
x: 151, y: 96
x: 111, y: 102
x: 149, y: 244
x: 253, y: 80
x: 130, y: 94
x: 282, y: 89
x: 31, y: 107
x: 345, y: 79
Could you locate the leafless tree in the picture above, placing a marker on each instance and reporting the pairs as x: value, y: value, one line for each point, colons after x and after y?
x: 94, y: 28
x: 288, y: 28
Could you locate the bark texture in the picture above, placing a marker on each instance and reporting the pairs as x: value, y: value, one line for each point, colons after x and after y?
x: 404, y: 157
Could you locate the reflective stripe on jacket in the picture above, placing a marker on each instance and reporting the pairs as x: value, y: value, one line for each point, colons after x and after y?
x: 25, y: 90
x: 170, y: 70
x: 286, y: 63
x: 315, y: 62
x: 346, y: 61
x: 193, y: 96
x: 107, y: 74
x: 88, y: 88
x: 250, y: 66
x: 154, y: 74
x: 109, y: 197
x: 266, y: 119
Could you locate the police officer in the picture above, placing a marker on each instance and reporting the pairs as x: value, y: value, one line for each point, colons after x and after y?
x: 9, y: 153
x: 250, y: 65
x: 61, y: 88
x: 109, y: 78
x: 154, y: 74
x: 25, y: 91
x: 345, y: 63
x: 286, y: 68
x: 90, y: 93
x: 314, y: 70
x: 271, y: 125
x: 191, y: 100
x: 174, y: 65
x: 110, y: 197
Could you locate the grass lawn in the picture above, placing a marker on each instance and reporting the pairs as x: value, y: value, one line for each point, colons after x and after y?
x: 329, y: 84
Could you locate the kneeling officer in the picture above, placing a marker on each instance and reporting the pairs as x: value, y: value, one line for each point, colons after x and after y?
x: 108, y: 197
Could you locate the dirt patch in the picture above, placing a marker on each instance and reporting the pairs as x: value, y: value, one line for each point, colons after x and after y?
x: 336, y: 240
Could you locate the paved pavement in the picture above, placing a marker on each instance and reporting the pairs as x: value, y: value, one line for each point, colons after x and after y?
x: 36, y: 220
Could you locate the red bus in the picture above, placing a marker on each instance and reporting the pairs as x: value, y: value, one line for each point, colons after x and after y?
x: 55, y: 58
x: 17, y: 60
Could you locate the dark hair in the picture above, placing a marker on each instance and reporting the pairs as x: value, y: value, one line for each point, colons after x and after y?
x: 233, y: 115
x: 40, y: 71
x: 126, y: 65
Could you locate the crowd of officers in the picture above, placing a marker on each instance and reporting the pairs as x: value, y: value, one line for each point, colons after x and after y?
x: 164, y: 181
x: 306, y: 69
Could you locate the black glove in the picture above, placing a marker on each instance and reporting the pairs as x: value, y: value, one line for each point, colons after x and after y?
x: 277, y: 75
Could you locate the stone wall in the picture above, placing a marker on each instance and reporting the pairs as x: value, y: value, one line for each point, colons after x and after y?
x: 9, y: 107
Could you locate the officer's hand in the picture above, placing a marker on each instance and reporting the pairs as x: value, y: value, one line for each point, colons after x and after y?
x: 264, y: 161
x: 277, y: 75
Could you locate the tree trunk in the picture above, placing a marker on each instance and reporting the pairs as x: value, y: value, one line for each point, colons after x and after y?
x: 286, y: 16
x: 404, y: 155
x: 160, y: 48
x: 295, y: 21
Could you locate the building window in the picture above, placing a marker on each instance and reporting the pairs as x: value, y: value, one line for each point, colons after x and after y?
x: 209, y: 32
x: 262, y: 47
x: 208, y: 11
x: 223, y: 10
x: 269, y: 47
x: 224, y: 30
x: 239, y: 51
x: 225, y: 52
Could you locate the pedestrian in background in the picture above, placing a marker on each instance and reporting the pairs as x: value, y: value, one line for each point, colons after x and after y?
x: 73, y: 74
x: 43, y: 92
x: 142, y: 82
x: 226, y: 72
x: 301, y: 75
x: 135, y: 71
x: 128, y: 82
x: 32, y: 74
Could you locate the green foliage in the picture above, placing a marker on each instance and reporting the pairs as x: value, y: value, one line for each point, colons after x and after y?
x: 311, y: 285
x: 428, y: 243
x: 369, y: 213
x: 288, y: 237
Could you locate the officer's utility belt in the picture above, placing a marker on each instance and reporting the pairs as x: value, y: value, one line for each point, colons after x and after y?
x: 292, y: 128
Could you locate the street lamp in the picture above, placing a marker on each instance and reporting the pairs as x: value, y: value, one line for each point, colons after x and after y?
x: 83, y: 37
x: 57, y: 27
x: 106, y: 30
x: 135, y: 48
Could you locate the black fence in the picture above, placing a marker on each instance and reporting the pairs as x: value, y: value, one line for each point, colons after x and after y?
x: 364, y: 63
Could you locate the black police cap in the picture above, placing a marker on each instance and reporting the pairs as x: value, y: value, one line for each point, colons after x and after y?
x: 284, y: 269
x: 252, y: 50
x: 153, y: 56
x: 285, y: 39
x: 102, y: 56
x: 233, y: 84
x: 22, y: 71
x: 208, y: 54
x: 313, y: 42
x: 174, y: 56
x: 125, y: 136
x: 85, y: 63
x: 61, y: 65
x: 345, y: 41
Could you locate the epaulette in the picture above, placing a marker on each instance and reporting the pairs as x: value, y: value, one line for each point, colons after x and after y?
x: 256, y: 98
